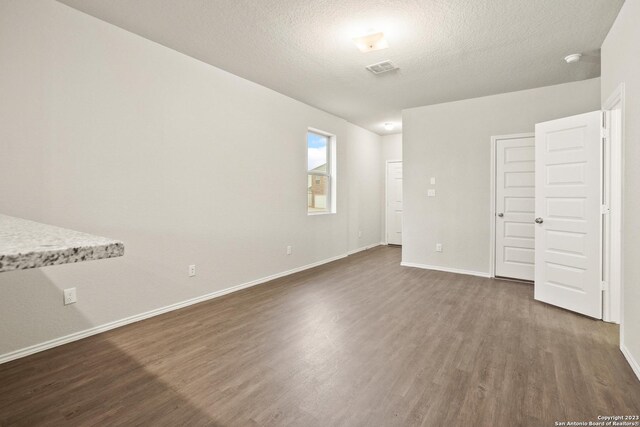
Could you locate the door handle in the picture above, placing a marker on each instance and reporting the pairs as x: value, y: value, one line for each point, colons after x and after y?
x: 500, y: 214
x: 539, y: 220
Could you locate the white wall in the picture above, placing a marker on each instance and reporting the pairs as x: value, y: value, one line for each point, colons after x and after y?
x: 452, y: 142
x: 391, y: 147
x: 621, y: 64
x: 109, y: 133
x: 365, y: 178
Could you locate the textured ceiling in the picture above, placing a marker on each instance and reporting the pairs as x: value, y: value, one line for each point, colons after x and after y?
x: 446, y: 49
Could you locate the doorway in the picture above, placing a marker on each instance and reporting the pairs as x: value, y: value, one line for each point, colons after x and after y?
x: 513, y: 206
x: 577, y: 215
x: 612, y: 196
x: 393, y: 209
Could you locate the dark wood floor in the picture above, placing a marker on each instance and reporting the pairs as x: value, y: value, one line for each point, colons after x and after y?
x: 358, y: 342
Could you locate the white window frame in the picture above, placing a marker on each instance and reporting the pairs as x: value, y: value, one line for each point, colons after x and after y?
x: 331, y: 170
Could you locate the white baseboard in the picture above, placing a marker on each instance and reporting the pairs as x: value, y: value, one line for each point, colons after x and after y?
x: 632, y: 362
x: 445, y: 269
x: 364, y: 248
x: 138, y: 317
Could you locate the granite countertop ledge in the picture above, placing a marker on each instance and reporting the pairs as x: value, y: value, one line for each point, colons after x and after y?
x: 27, y: 244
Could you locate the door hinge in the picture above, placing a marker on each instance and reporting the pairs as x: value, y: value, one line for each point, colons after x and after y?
x: 605, y: 210
x: 603, y: 285
x: 604, y: 120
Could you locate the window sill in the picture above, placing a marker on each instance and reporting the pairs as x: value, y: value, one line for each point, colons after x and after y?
x: 320, y: 213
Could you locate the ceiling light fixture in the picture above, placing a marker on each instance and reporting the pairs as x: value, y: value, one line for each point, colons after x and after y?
x: 573, y: 58
x: 389, y: 126
x: 371, y: 42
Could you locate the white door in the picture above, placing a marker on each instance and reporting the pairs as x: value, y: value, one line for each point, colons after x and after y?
x: 568, y: 217
x: 394, y: 203
x: 515, y: 206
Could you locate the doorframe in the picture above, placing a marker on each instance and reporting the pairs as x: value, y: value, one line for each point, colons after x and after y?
x: 386, y: 195
x: 492, y: 201
x: 612, y: 306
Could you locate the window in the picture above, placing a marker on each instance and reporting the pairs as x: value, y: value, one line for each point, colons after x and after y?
x: 320, y: 180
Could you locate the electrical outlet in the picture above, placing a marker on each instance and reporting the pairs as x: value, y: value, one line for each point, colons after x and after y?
x: 438, y: 247
x: 192, y: 270
x: 289, y: 250
x: 70, y: 296
x: 431, y: 192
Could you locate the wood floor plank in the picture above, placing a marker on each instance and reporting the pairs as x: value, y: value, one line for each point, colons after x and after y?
x: 358, y: 342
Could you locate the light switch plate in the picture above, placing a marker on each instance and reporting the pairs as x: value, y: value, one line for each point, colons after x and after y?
x: 433, y: 180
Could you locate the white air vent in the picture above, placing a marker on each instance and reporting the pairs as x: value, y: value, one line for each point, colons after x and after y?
x: 382, y: 67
